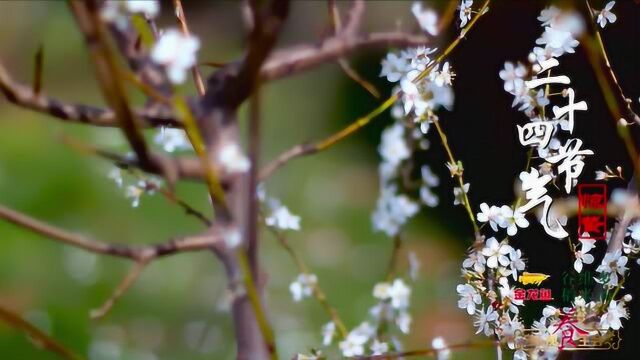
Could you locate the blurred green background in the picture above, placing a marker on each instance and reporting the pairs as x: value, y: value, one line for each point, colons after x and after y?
x: 177, y: 308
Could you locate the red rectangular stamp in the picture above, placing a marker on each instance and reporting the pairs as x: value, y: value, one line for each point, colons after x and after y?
x: 592, y: 211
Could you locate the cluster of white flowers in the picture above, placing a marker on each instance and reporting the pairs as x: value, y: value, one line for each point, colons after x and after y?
x: 505, y: 217
x: 134, y: 185
x: 302, y: 287
x: 423, y: 87
x: 277, y: 215
x: 357, y: 339
x: 232, y: 159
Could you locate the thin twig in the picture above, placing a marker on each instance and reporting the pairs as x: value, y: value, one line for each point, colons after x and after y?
x: 184, y: 26
x: 609, y: 85
x: 37, y: 336
x: 459, y: 177
x: 124, y: 285
x: 350, y: 28
x: 318, y: 293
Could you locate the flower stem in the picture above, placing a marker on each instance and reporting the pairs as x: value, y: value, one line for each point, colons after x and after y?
x: 465, y: 198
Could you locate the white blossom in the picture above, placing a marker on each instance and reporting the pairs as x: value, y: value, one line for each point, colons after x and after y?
x: 281, y: 218
x: 459, y: 194
x: 172, y: 139
x: 177, y: 53
x: 393, y: 146
x: 513, y: 76
x: 392, y: 211
x: 379, y: 347
x: 443, y: 77
x: 465, y: 12
x: 557, y: 41
x: 512, y: 220
x: 303, y: 286
x: 150, y: 8
x: 507, y: 294
x: 515, y: 262
x: 615, y: 312
x: 403, y: 321
x: 397, y: 293
x: 117, y: 12
x: 115, y: 174
x: 485, y: 319
x: 612, y: 265
x: 491, y: 214
x: 353, y: 345
x: 394, y: 67
x: 328, y: 332
x: 232, y: 238
x: 496, y: 253
x: 427, y: 18
x: 442, y: 351
x: 634, y: 231
x: 476, y: 261
x: 232, y: 159
x: 607, y: 15
x: 469, y: 298
x: 135, y: 192
x: 582, y: 256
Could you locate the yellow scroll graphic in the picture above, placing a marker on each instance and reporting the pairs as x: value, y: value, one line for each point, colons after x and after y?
x: 532, y: 278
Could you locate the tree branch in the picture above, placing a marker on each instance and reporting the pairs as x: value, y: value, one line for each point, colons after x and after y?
x: 24, y: 96
x: 106, y: 68
x: 304, y: 57
x: 136, y: 253
x: 39, y: 337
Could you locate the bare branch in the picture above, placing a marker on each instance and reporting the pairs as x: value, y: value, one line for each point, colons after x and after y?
x: 351, y: 28
x: 24, y: 96
x: 308, y: 149
x: 124, y: 285
x: 39, y: 337
x: 137, y: 253
x: 304, y: 57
